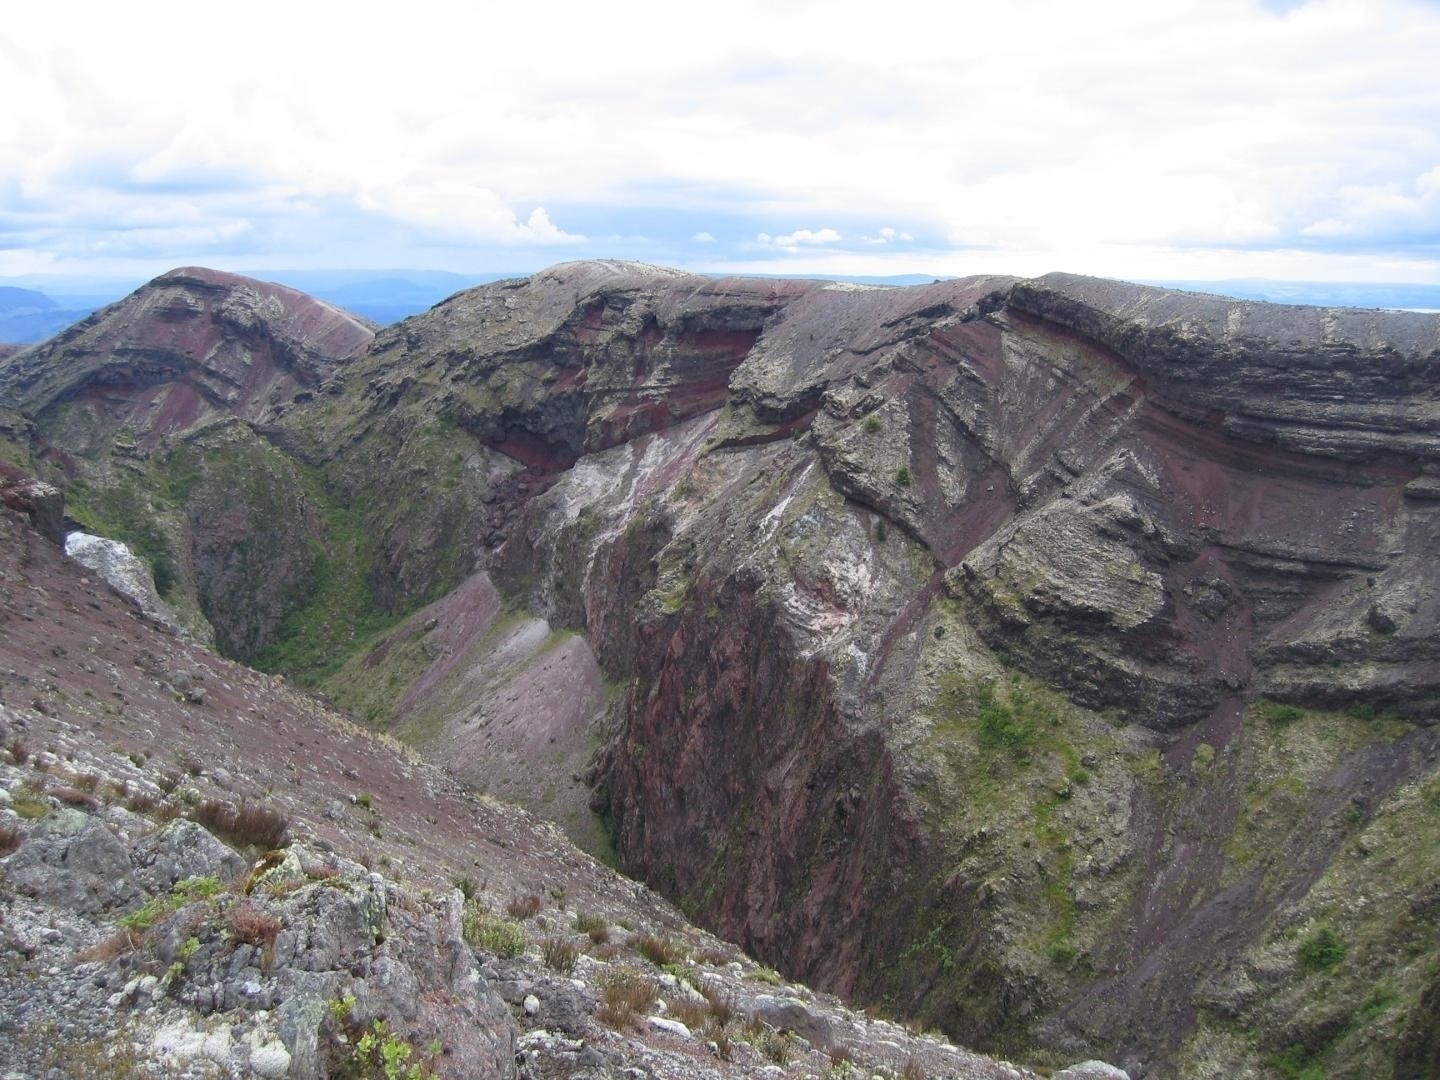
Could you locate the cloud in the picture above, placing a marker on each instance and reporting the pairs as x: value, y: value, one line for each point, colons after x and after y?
x: 1193, y: 131
x: 800, y: 236
x: 888, y: 235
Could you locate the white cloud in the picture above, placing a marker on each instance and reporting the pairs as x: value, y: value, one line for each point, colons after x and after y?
x: 795, y: 239
x: 1077, y: 134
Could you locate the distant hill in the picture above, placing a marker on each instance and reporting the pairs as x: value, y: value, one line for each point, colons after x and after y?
x: 382, y: 296
x: 27, y: 315
x: 1354, y: 294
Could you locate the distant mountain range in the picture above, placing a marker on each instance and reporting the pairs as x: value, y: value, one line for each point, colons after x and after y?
x: 36, y: 307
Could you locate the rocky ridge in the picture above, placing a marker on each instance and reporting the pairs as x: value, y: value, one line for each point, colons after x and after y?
x: 1045, y: 659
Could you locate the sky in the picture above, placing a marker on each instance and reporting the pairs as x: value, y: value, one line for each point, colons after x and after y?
x: 1187, y: 140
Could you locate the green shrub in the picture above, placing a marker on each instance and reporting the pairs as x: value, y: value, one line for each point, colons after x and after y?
x: 492, y: 933
x: 1321, y: 951
x: 902, y: 476
x: 1276, y: 713
x: 872, y: 424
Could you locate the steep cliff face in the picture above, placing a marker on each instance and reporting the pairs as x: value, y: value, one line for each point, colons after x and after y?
x: 1051, y: 660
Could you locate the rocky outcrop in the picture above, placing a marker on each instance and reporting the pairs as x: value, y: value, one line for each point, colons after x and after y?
x: 42, y: 503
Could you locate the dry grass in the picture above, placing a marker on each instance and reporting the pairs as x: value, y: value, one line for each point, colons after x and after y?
x: 9, y: 840
x: 524, y: 907
x: 693, y: 1014
x: 722, y: 1005
x: 251, y: 926
x: 120, y: 943
x: 559, y: 953
x: 71, y: 796
x: 658, y: 950
x: 593, y: 926
x: 243, y: 826
x: 626, y: 994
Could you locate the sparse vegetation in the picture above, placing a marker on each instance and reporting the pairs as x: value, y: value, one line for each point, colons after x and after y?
x: 524, y: 907
x: 492, y: 933
x: 902, y: 477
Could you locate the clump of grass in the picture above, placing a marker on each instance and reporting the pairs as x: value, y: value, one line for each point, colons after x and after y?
x: 467, y: 886
x: 693, y: 1014
x: 593, y: 926
x: 658, y: 950
x: 559, y: 953
x: 524, y: 907
x: 625, y: 994
x: 19, y: 752
x: 251, y: 926
x: 81, y: 800
x: 244, y: 826
x: 902, y: 477
x: 721, y: 1004
x: 492, y: 933
x: 29, y: 801
x: 9, y: 840
x: 764, y: 974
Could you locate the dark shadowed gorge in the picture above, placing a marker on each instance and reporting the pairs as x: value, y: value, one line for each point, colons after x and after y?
x: 1051, y: 662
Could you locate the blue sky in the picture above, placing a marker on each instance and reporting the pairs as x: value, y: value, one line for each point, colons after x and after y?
x: 1181, y: 140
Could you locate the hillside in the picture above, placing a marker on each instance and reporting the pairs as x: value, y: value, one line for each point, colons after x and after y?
x: 1052, y: 661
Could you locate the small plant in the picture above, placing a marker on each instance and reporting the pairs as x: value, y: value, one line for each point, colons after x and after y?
x: 81, y: 800
x: 658, y: 950
x: 29, y: 802
x: 251, y: 926
x: 9, y: 840
x: 244, y: 826
x: 1321, y: 951
x: 467, y: 886
x: 689, y: 1012
x: 593, y: 926
x: 902, y: 476
x: 625, y: 994
x: 524, y: 907
x: 1276, y: 713
x: 721, y: 1004
x: 913, y: 1070
x: 559, y: 953
x: 769, y: 976
x: 492, y: 933
x: 872, y: 424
